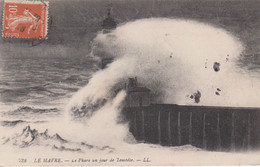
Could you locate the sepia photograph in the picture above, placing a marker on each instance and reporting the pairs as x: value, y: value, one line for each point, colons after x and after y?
x: 129, y: 82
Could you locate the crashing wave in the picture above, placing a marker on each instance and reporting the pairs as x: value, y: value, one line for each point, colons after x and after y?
x: 87, y: 109
x: 174, y: 59
x: 30, y: 137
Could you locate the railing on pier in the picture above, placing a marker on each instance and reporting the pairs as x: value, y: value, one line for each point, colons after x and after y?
x: 211, y: 128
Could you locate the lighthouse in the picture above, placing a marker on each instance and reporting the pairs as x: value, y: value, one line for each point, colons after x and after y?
x: 109, y: 23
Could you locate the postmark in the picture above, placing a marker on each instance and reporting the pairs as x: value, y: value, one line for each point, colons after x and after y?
x: 25, y: 19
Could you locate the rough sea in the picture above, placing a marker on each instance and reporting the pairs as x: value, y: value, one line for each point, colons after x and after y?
x: 39, y: 94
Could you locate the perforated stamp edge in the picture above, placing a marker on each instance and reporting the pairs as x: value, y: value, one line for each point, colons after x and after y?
x: 46, y: 3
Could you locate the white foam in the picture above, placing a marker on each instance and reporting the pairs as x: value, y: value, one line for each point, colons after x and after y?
x: 174, y: 58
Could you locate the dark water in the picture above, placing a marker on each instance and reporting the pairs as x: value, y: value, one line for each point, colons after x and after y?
x: 35, y: 88
x: 36, y: 83
x: 32, y: 79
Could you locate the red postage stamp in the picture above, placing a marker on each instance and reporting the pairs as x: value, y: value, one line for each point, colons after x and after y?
x: 25, y: 19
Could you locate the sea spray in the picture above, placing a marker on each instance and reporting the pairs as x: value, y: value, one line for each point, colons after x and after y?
x: 181, y: 62
x: 99, y: 89
x: 101, y: 131
x: 175, y: 59
x: 102, y: 128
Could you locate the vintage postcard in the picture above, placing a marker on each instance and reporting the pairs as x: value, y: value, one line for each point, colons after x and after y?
x: 129, y: 82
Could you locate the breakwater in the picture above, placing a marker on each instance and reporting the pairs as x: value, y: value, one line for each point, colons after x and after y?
x: 211, y: 128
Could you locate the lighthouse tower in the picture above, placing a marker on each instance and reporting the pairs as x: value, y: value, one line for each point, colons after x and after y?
x: 109, y: 23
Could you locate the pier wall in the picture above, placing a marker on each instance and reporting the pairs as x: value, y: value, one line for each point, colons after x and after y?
x: 211, y: 128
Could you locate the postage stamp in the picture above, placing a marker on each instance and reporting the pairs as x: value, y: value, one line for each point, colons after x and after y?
x: 25, y: 19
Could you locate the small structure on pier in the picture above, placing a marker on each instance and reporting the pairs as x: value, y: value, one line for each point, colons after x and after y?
x: 137, y: 96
